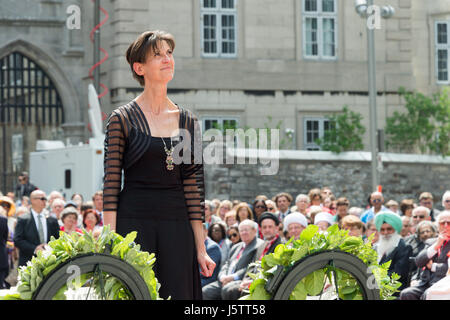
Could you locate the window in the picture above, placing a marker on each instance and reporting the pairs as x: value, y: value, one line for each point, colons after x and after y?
x: 27, y: 94
x: 319, y: 29
x: 218, y: 22
x: 314, y: 128
x: 442, y: 51
x: 221, y: 123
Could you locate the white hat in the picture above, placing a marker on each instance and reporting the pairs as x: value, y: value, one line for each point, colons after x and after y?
x: 295, y: 217
x: 323, y: 216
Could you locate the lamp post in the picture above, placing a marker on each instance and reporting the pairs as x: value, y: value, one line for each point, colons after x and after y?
x: 363, y: 7
x: 97, y: 45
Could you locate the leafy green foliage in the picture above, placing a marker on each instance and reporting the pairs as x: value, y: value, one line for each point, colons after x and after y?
x: 68, y: 246
x: 312, y: 241
x: 424, y: 127
x: 345, y: 133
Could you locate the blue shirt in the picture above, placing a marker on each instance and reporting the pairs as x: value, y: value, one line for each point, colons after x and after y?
x: 370, y: 214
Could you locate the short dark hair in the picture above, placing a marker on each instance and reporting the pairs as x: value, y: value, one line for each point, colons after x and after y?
x: 146, y: 42
x: 282, y: 194
x: 222, y: 229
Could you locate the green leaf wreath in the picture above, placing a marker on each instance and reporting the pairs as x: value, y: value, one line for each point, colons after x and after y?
x: 68, y: 246
x: 312, y: 241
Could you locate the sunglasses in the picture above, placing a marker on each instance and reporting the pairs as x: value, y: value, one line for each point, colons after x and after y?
x: 233, y: 235
x: 260, y: 207
x: 447, y: 201
x: 270, y: 208
x: 43, y: 198
x: 443, y: 223
x: 5, y: 205
x: 417, y: 217
x: 376, y: 200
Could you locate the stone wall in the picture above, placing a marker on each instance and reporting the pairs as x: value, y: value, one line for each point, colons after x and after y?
x: 348, y: 174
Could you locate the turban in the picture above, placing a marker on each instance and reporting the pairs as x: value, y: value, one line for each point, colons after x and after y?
x: 295, y: 217
x: 390, y: 218
x: 323, y: 216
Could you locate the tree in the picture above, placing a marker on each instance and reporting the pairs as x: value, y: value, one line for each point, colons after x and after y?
x: 424, y: 128
x: 345, y: 132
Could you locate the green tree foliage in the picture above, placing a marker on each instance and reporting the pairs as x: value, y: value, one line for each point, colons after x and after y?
x: 424, y: 127
x: 345, y: 133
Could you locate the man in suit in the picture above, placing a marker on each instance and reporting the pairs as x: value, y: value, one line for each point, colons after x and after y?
x: 4, y: 265
x: 25, y: 187
x: 34, y: 229
x: 391, y: 247
x: 433, y: 260
x: 268, y: 223
x: 214, y: 252
x: 233, y: 270
x: 283, y: 201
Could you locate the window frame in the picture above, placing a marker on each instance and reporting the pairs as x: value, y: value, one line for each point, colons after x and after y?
x: 321, y: 130
x: 438, y: 47
x: 320, y: 16
x: 218, y: 11
x: 219, y: 119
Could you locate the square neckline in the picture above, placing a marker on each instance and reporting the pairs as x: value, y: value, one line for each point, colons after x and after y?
x: 148, y: 125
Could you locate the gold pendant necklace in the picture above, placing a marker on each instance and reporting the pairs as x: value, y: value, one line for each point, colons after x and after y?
x: 169, y: 153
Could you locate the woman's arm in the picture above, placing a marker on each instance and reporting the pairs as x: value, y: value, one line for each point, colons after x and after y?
x: 113, y: 155
x: 194, y: 193
x: 206, y: 264
x: 109, y: 217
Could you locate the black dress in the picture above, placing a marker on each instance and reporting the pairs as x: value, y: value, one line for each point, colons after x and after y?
x: 156, y: 202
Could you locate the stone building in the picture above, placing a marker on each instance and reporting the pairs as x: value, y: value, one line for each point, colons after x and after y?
x: 241, y: 63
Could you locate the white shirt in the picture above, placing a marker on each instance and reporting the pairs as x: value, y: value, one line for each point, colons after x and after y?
x: 43, y: 220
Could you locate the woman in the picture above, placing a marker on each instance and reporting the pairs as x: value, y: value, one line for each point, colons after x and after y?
x: 315, y: 197
x: 233, y: 235
x: 69, y: 218
x: 243, y: 212
x: 259, y: 207
x: 354, y: 225
x: 342, y: 206
x: 271, y: 206
x: 371, y: 229
x: 90, y: 220
x: 406, y: 207
x: 78, y: 199
x: 163, y: 194
x: 230, y: 219
x: 302, y: 202
x: 224, y: 207
x: 218, y: 233
x: 9, y: 206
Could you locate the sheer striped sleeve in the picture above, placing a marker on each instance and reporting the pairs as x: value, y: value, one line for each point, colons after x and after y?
x: 113, y: 162
x: 192, y: 173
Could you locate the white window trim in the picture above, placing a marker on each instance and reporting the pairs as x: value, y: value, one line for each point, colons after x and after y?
x: 441, y: 47
x: 320, y: 15
x: 321, y: 120
x: 219, y: 11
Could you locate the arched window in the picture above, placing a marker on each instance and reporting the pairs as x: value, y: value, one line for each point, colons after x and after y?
x: 27, y: 94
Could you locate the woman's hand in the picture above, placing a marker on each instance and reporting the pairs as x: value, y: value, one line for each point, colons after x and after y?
x: 206, y: 264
